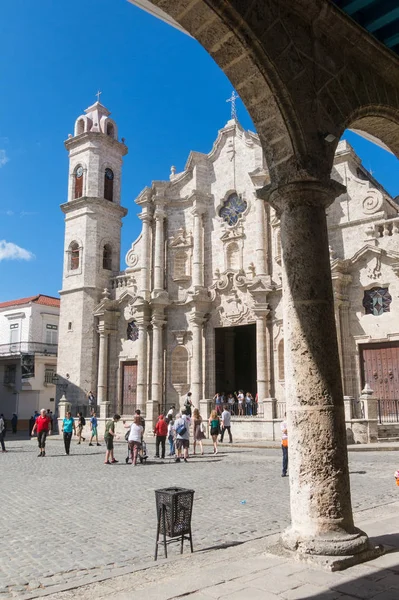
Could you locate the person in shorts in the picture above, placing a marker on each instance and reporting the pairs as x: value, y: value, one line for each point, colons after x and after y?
x: 135, y: 438
x: 182, y: 428
x: 109, y: 440
x: 43, y: 426
x: 93, y: 428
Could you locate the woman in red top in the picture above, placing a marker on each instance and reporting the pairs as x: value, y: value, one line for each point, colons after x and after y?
x: 43, y: 427
x: 161, y: 431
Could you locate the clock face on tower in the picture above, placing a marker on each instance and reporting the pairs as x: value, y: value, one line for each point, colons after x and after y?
x: 79, y: 172
x: 109, y: 174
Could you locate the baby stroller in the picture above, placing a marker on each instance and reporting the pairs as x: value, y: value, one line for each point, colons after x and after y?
x: 142, y: 454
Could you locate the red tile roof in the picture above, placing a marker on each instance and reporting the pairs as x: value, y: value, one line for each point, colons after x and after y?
x: 39, y: 299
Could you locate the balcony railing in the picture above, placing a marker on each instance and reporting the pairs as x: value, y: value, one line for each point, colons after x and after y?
x: 28, y: 348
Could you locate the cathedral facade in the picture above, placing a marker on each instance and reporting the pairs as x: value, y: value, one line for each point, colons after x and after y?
x: 199, y: 305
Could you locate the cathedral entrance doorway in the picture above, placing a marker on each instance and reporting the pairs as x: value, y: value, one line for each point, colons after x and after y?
x: 129, y: 387
x: 235, y: 359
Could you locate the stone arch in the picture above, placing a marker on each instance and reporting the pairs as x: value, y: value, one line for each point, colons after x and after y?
x: 107, y: 257
x: 225, y: 35
x: 381, y: 123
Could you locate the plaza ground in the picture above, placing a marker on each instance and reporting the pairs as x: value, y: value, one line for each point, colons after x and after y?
x: 71, y: 518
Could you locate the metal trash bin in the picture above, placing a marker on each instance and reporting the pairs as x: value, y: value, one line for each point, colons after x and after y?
x: 174, y: 509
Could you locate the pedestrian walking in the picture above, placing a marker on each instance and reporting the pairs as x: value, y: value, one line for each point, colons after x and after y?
x: 43, y: 425
x: 109, y: 436
x: 161, y: 432
x: 93, y: 429
x: 68, y: 427
x: 198, y: 431
x: 14, y: 422
x: 182, y: 428
x: 188, y: 404
x: 171, y: 436
x: 135, y: 438
x: 226, y: 425
x: 284, y: 446
x: 214, y: 425
x: 2, y: 432
x: 81, y: 424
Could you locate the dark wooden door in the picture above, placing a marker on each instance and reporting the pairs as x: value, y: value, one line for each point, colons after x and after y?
x: 129, y: 387
x: 380, y: 369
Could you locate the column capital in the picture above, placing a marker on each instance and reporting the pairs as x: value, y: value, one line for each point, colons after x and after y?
x: 159, y: 214
x: 196, y: 318
x: 303, y: 192
x: 142, y: 322
x: 145, y: 216
x: 158, y: 319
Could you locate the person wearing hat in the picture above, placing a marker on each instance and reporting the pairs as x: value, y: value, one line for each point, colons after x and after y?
x: 161, y: 432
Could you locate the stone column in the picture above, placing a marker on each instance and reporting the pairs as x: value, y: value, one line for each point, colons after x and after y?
x: 262, y: 358
x: 142, y: 368
x: 102, y: 386
x: 145, y: 254
x: 198, y: 250
x: 196, y: 323
x: 370, y: 409
x: 321, y: 511
x: 261, y: 238
x: 344, y: 330
x: 153, y: 404
x: 159, y: 261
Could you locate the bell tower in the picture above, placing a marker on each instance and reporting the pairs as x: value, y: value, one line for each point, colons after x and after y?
x: 93, y: 220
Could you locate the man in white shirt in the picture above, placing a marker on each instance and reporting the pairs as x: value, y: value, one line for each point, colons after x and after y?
x: 284, y: 446
x: 226, y: 424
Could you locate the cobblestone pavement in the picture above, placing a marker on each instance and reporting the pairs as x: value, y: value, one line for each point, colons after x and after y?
x: 65, y: 517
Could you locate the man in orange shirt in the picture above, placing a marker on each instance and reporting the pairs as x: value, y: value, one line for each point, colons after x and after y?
x: 161, y: 431
x: 43, y: 426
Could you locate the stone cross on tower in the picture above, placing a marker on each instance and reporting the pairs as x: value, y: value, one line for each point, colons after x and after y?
x: 98, y: 95
x: 233, y: 99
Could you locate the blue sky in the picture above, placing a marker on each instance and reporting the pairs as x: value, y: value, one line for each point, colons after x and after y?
x: 164, y: 91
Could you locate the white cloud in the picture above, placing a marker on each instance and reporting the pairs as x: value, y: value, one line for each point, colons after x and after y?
x: 3, y: 158
x: 10, y: 251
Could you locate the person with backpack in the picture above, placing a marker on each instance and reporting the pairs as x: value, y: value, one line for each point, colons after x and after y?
x: 182, y: 428
x: 93, y: 428
x: 81, y: 424
x: 160, y: 431
x: 2, y: 433
x: 188, y: 404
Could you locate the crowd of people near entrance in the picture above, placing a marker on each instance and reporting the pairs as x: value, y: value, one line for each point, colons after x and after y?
x: 177, y: 430
x: 240, y: 404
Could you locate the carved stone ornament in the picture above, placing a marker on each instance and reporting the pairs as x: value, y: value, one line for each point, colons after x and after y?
x: 233, y: 310
x: 374, y: 268
x: 372, y: 202
x: 131, y: 258
x: 180, y: 335
x: 128, y: 312
x: 181, y: 239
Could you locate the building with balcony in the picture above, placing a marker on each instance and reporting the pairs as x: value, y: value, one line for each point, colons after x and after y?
x: 28, y: 355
